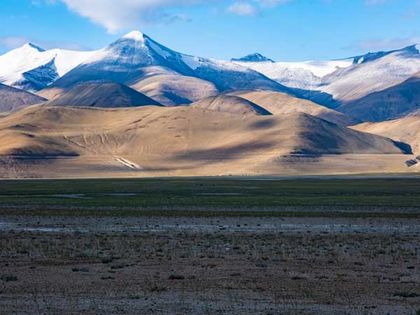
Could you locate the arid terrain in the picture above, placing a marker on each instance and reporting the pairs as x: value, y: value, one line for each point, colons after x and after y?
x: 259, y: 157
x: 136, y: 108
x: 210, y: 246
x: 210, y: 266
x: 223, y: 135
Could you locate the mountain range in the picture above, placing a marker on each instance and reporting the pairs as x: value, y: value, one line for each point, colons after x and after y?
x: 249, y: 115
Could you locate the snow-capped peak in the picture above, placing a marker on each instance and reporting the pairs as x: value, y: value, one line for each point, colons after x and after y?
x: 31, y: 46
x: 371, y: 56
x: 19, y: 66
x: 28, y: 48
x: 135, y: 35
x: 256, y: 57
x: 412, y: 49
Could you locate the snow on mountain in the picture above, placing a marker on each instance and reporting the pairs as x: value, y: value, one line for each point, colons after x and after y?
x: 302, y: 75
x: 338, y: 81
x: 413, y: 49
x: 129, y: 61
x: 371, y: 73
x: 294, y: 77
x: 136, y: 36
x: 126, y: 61
x: 40, y: 77
x: 319, y: 68
x: 394, y: 102
x: 32, y: 68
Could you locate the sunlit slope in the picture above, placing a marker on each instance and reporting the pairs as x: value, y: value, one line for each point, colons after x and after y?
x: 406, y: 129
x: 102, y: 94
x: 283, y: 104
x: 172, y: 130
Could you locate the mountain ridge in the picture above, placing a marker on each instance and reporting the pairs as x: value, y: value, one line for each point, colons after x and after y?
x: 172, y: 78
x: 12, y: 99
x: 125, y: 60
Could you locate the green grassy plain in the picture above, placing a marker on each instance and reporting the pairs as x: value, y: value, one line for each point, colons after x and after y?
x: 212, y: 196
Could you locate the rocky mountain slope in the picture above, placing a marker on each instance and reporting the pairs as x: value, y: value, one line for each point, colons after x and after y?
x: 390, y: 103
x: 136, y: 57
x: 12, y: 99
x: 33, y: 68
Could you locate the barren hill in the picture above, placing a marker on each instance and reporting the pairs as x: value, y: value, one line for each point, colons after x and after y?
x: 386, y: 104
x: 102, y: 94
x: 170, y: 88
x: 230, y: 104
x: 149, y: 141
x: 12, y: 99
x: 406, y: 129
x: 281, y: 104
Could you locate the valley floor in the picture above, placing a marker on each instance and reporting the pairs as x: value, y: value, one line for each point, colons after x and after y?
x: 160, y: 166
x: 210, y: 246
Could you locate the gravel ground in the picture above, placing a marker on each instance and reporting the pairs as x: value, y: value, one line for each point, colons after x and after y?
x: 218, y: 265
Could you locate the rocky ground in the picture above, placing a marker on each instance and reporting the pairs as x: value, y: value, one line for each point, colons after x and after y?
x: 218, y: 265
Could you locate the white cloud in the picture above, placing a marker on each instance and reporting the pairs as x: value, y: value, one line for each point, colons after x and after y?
x: 123, y: 14
x: 116, y: 15
x: 242, y: 8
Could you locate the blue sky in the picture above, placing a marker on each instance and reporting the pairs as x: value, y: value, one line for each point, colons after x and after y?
x: 280, y: 29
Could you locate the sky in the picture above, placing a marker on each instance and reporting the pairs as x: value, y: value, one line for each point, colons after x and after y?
x: 283, y: 30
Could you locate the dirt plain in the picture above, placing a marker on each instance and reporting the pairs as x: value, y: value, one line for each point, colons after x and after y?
x: 209, y: 266
x: 302, y: 261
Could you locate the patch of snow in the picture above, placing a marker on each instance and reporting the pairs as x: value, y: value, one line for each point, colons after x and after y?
x: 192, y: 62
x: 99, y: 55
x: 135, y: 35
x: 318, y: 68
x: 197, y: 62
x: 128, y: 163
x: 157, y: 48
x: 66, y: 60
x: 227, y: 65
x: 303, y: 75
